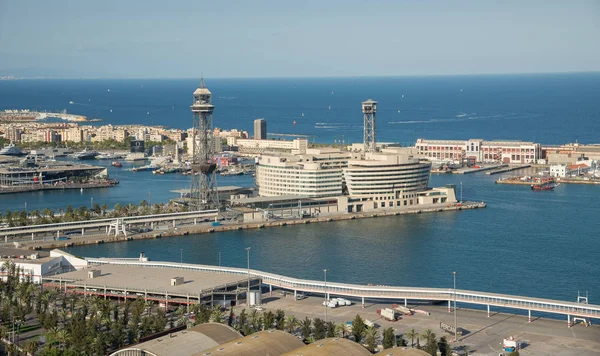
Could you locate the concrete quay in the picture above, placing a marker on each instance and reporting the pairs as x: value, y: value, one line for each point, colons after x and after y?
x: 206, y: 228
x: 469, y: 170
x: 508, y: 169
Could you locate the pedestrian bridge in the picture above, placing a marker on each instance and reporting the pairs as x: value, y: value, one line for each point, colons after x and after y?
x: 130, y: 221
x: 366, y: 292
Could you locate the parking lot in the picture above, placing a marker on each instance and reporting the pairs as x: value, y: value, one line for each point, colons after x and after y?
x: 483, y: 335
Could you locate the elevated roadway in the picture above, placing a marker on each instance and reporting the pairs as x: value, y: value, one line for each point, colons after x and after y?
x: 105, y: 224
x: 366, y: 292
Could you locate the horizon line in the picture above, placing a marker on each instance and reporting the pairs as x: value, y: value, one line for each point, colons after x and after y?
x: 309, y: 77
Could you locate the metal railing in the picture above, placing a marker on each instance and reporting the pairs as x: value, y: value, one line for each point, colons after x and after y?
x: 386, y: 292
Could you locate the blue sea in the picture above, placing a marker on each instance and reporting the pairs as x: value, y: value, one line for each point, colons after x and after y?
x: 551, y: 109
x: 542, y: 244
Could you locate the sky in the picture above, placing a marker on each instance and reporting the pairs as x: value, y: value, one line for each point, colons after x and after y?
x: 220, y: 38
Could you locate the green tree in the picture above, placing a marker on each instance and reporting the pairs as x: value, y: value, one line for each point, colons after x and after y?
x: 444, y: 347
x: 305, y: 327
x: 358, y: 328
x: 292, y: 324
x: 280, y: 319
x: 319, y: 326
x: 389, y: 339
x: 331, y: 328
x: 428, y: 337
x: 269, y: 320
x: 371, y: 338
x: 412, y: 335
x: 242, y: 320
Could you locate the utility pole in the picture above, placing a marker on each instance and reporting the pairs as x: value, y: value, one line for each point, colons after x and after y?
x: 461, y: 192
x: 325, y: 272
x: 248, y: 293
x: 455, y: 329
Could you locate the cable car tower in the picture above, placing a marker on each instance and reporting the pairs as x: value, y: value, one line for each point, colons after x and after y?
x: 369, y: 108
x: 203, y: 193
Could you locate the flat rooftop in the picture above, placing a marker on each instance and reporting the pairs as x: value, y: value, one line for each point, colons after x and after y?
x: 152, y: 279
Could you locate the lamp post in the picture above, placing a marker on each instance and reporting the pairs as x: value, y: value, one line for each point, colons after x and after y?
x: 149, y: 204
x: 461, y: 192
x: 219, y: 258
x: 25, y: 208
x: 248, y: 294
x: 325, y: 272
x: 91, y: 202
x: 455, y: 329
x: 181, y: 255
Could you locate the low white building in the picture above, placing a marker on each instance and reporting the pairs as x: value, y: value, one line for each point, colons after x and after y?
x: 39, y: 264
x: 296, y: 146
x: 558, y: 170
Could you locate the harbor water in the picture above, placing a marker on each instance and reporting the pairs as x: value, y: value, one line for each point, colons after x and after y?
x: 540, y: 244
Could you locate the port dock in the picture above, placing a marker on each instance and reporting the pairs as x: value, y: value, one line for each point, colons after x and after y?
x: 508, y: 169
x: 468, y: 170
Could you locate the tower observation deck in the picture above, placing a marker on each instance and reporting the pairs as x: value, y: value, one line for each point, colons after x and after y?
x: 203, y: 193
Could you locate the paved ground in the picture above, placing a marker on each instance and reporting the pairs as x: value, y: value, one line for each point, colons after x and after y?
x: 483, y: 335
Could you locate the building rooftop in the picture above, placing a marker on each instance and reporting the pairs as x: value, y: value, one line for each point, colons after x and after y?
x: 331, y: 346
x: 397, y: 351
x: 268, y: 342
x: 141, y: 278
x: 187, y: 342
x: 14, y: 254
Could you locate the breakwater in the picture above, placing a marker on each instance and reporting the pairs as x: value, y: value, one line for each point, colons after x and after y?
x: 203, y: 229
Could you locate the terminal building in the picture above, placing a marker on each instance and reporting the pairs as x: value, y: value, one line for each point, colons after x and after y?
x: 331, y: 180
x: 479, y: 150
x: 316, y: 173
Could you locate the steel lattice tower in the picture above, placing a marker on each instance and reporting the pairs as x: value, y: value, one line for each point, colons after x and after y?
x: 203, y: 193
x: 369, y: 108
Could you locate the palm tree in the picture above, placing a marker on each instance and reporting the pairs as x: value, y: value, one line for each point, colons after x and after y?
x: 31, y: 347
x: 269, y: 320
x: 216, y: 314
x: 331, y: 327
x: 62, y: 336
x: 412, y: 334
x: 340, y: 330
x: 371, y: 338
x: 428, y: 337
x: 305, y: 326
x: 254, y: 319
x: 292, y: 323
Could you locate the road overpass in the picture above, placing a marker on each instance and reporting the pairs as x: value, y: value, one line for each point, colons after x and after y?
x: 367, y: 292
x: 113, y: 225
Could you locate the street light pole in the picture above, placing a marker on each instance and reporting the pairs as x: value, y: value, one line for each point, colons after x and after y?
x: 219, y: 258
x: 248, y: 294
x: 181, y: 255
x: 91, y: 202
x: 455, y: 329
x: 325, y: 272
x: 149, y: 204
x: 461, y: 192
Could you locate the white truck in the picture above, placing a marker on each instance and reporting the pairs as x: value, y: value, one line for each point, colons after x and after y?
x: 388, y: 314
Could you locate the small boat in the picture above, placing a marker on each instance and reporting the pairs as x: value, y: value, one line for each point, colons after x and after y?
x: 117, y: 164
x: 71, y: 102
x: 544, y: 186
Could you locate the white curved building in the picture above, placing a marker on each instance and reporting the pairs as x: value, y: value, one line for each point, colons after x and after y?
x: 316, y: 174
x: 381, y: 174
